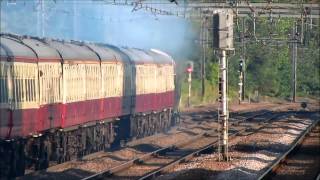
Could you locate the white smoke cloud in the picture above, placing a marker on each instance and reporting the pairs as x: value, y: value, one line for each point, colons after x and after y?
x: 97, y: 22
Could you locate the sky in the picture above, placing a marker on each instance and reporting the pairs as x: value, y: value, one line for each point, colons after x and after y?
x: 95, y: 21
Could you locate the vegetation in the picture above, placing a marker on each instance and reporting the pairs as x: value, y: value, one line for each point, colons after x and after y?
x: 268, y: 62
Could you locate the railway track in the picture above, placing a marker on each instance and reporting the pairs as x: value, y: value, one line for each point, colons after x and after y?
x: 201, y: 123
x: 271, y: 171
x: 155, y: 163
x: 189, y: 126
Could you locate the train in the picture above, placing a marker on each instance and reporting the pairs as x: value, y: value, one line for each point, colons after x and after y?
x: 61, y: 100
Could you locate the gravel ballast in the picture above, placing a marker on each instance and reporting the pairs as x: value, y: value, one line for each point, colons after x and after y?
x: 250, y: 154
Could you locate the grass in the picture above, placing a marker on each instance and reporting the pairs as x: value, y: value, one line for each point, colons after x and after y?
x: 210, y: 96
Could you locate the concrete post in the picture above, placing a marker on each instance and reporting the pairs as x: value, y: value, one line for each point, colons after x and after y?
x: 224, y: 105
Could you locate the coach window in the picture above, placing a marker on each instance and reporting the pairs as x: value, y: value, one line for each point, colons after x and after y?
x: 143, y: 79
x: 3, y: 89
x: 27, y: 90
x: 148, y: 79
x: 109, y: 81
x: 17, y: 89
x: 24, y: 83
x: 113, y: 85
x: 112, y: 81
x: 3, y: 84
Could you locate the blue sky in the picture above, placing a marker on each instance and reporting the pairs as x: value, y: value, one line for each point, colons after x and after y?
x: 97, y: 22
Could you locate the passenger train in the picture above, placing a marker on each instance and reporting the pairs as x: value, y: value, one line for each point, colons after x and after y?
x: 61, y: 100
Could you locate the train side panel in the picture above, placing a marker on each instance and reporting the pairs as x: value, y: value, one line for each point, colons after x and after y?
x: 112, y: 90
x: 50, y: 82
x: 92, y: 93
x: 25, y: 98
x: 5, y: 112
x: 74, y: 95
x: 155, y: 87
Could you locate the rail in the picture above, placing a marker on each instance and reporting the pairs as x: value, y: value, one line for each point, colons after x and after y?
x: 282, y: 158
x: 172, y: 148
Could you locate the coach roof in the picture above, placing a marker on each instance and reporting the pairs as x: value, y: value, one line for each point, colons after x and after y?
x: 44, y: 51
x: 13, y: 49
x: 160, y: 57
x: 106, y: 53
x: 120, y: 54
x: 138, y: 56
x: 73, y: 51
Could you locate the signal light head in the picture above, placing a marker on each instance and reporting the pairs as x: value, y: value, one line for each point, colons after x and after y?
x: 189, y: 69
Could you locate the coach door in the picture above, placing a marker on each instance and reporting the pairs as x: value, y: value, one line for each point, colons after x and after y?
x: 25, y: 98
x: 50, y: 81
x: 5, y: 94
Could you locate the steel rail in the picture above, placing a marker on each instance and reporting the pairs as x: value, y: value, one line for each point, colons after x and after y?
x: 189, y: 156
x: 172, y: 148
x: 282, y: 158
x: 143, y: 158
x: 90, y: 156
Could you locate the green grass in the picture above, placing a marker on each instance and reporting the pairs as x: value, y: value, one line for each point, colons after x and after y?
x: 210, y: 96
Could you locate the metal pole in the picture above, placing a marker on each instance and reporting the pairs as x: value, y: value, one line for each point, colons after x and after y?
x: 203, y: 59
x: 75, y: 16
x: 42, y: 18
x: 38, y: 19
x: 254, y: 25
x: 243, y: 78
x: 242, y: 65
x: 189, y: 93
x: 294, y: 62
x: 302, y: 30
x: 208, y: 20
x: 203, y: 72
x: 240, y: 85
x: 224, y: 105
x: 244, y: 60
x: 311, y: 22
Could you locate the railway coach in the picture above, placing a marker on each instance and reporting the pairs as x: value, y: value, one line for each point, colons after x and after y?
x: 61, y: 100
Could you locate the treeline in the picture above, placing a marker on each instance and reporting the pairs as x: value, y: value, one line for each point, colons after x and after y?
x: 268, y: 68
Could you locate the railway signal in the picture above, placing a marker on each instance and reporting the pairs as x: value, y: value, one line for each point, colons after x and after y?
x: 223, y: 30
x: 223, y: 41
x: 189, y: 70
x: 241, y: 80
x: 241, y: 65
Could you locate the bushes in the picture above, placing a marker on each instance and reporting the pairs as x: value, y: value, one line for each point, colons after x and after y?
x: 268, y: 64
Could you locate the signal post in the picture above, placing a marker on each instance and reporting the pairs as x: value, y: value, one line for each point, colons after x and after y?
x: 241, y: 80
x: 223, y: 42
x: 189, y: 71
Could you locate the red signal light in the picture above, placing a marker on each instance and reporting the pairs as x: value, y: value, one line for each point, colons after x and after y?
x: 189, y: 70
